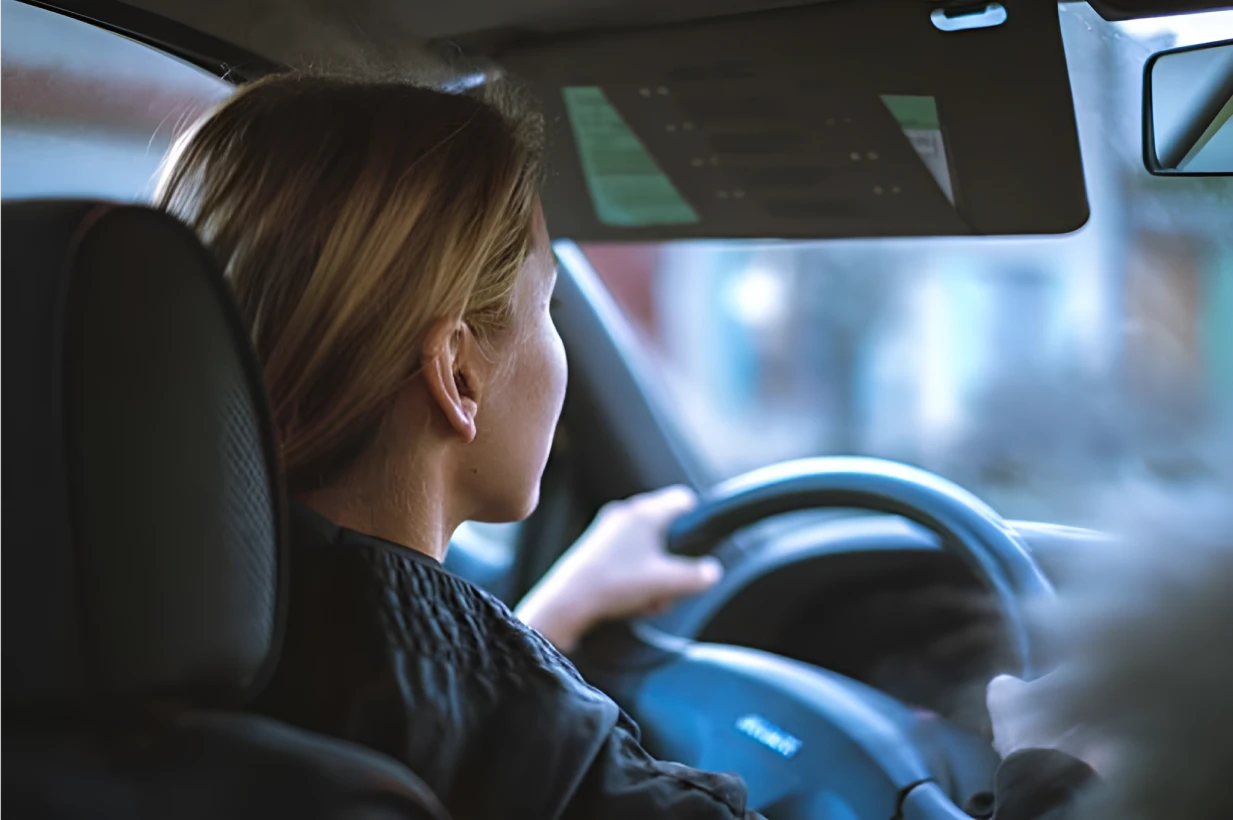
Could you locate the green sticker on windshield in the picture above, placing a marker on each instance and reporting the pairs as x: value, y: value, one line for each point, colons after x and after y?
x: 627, y: 186
x: 917, y: 115
x: 913, y: 111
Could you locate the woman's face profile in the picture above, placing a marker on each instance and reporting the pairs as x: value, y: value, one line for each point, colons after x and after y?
x: 516, y: 421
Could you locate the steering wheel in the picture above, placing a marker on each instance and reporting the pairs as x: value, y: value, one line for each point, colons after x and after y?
x: 810, y: 742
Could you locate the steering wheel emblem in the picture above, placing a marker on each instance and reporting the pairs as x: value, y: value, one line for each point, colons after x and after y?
x: 769, y: 735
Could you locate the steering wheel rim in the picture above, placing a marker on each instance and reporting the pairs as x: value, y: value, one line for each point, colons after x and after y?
x: 967, y: 527
x: 662, y: 680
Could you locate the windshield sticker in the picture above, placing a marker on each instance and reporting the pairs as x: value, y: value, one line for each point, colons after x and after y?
x: 627, y: 186
x: 918, y: 117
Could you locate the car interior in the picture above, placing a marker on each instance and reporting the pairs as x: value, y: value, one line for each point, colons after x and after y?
x: 864, y: 600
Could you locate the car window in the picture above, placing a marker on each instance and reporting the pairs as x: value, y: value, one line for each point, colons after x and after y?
x: 87, y: 112
x: 1032, y: 370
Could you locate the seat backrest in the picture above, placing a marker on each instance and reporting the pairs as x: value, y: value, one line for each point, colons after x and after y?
x: 145, y: 569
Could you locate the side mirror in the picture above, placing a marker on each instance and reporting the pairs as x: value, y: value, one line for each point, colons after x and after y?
x: 1188, y: 111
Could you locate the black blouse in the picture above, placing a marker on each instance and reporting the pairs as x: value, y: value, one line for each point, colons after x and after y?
x: 387, y: 648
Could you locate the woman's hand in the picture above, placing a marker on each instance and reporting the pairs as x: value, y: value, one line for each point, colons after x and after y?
x: 617, y: 569
x: 1017, y: 724
x: 1022, y: 720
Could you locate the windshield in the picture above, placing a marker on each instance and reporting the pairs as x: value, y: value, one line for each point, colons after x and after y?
x: 1032, y: 371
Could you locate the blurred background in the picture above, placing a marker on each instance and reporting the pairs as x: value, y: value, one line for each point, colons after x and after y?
x: 1035, y: 372
x: 88, y: 112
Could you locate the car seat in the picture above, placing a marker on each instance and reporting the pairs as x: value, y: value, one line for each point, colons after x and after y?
x: 144, y: 558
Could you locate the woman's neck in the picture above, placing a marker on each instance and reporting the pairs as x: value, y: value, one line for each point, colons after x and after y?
x: 412, y: 513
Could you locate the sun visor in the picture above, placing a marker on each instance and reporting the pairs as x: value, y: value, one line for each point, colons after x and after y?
x: 844, y: 119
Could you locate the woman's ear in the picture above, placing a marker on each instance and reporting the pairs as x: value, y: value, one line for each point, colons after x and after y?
x: 452, y: 374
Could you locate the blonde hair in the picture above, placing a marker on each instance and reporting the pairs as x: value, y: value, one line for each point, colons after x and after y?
x: 348, y: 217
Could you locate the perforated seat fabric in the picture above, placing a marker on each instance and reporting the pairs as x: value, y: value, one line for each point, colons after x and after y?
x: 145, y: 576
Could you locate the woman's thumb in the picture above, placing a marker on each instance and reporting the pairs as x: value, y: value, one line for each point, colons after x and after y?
x: 1003, y: 691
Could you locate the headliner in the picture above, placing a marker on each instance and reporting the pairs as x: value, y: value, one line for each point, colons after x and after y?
x: 400, y: 34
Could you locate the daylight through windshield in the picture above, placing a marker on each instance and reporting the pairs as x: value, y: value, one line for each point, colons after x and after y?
x: 1033, y: 371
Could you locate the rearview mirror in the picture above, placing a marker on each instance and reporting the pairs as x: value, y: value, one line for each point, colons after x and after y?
x: 1188, y: 111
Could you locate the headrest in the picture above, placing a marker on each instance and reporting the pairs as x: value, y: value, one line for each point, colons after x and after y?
x: 142, y: 523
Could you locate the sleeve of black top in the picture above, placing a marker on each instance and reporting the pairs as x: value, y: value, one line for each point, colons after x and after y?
x: 625, y: 781
x: 1036, y: 784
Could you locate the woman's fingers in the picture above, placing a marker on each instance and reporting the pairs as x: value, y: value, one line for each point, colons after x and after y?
x: 660, y: 508
x: 619, y: 567
x: 1004, y: 699
x: 677, y: 577
x: 1004, y: 691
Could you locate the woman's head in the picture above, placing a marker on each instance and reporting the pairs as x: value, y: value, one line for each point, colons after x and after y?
x: 387, y: 251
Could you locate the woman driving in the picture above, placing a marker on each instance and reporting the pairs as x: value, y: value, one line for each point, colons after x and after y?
x: 388, y: 252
